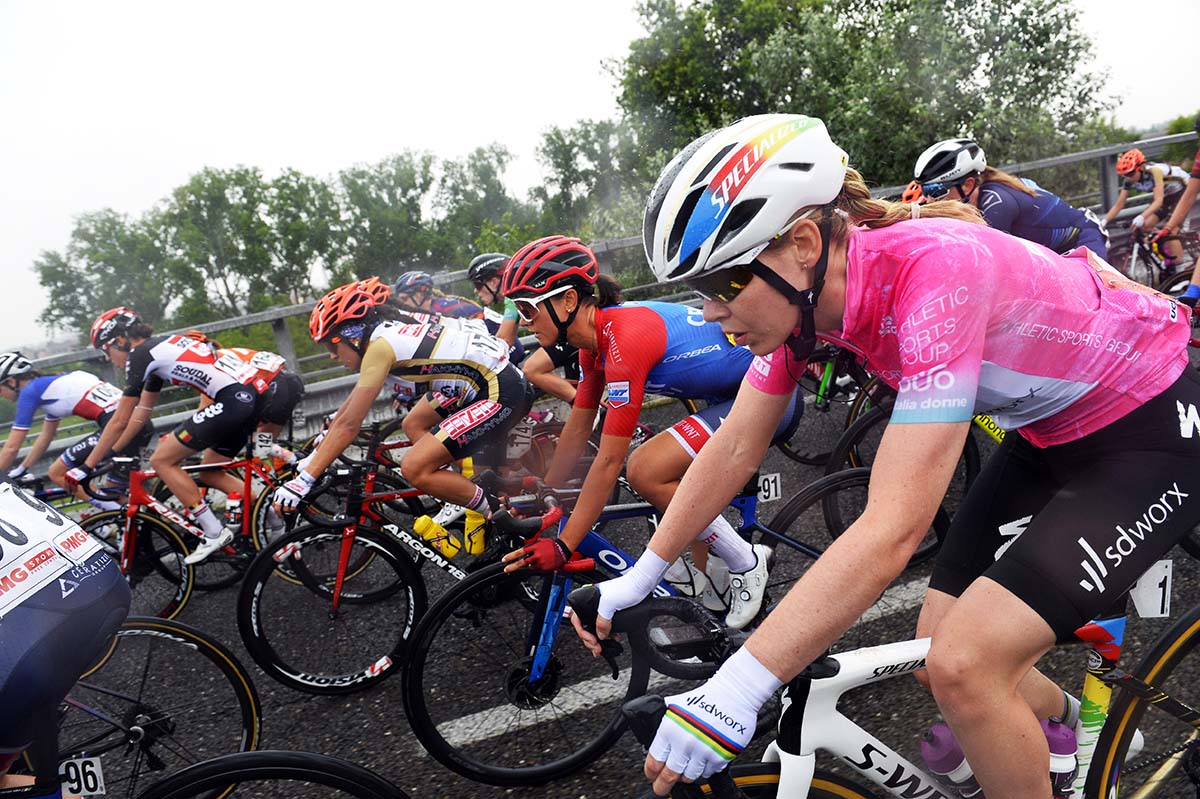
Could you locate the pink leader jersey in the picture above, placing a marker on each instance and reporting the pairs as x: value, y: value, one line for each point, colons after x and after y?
x: 963, y: 319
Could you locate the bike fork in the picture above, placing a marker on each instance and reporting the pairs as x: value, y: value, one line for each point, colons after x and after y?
x: 546, y: 622
x: 348, y: 533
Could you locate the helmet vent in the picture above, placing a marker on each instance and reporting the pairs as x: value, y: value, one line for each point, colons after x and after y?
x: 702, y: 176
x: 741, y: 215
x: 798, y: 166
x: 681, y: 221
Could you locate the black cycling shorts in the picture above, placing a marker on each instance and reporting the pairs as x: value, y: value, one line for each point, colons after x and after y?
x: 52, y: 638
x: 482, y: 426
x: 78, y: 452
x: 1069, y: 529
x: 225, y: 425
x: 281, y: 397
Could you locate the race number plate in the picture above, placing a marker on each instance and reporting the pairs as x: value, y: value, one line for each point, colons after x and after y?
x: 83, y: 777
x: 770, y: 487
x: 1152, y: 592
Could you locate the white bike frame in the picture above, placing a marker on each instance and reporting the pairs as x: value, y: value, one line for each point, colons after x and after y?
x: 823, y: 727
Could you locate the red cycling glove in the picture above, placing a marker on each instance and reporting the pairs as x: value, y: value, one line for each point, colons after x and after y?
x: 546, y: 554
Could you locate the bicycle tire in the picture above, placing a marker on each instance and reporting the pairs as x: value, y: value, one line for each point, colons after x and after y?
x: 1176, y: 282
x: 287, y: 624
x: 809, y: 385
x: 162, y: 582
x: 1168, y: 667
x: 854, y: 450
x: 274, y: 765
x: 139, y: 680
x: 761, y: 781
x: 468, y: 670
x: 327, y: 501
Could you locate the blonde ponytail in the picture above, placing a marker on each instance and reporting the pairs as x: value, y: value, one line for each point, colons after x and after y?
x: 863, y: 209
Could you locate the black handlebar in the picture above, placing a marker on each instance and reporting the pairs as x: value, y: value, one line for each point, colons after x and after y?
x: 98, y: 493
x: 709, y: 642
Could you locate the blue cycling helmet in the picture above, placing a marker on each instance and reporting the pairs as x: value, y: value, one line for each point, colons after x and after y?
x: 411, y: 282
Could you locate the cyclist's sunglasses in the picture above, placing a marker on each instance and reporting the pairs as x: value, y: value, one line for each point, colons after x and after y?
x: 527, y: 307
x: 939, y: 189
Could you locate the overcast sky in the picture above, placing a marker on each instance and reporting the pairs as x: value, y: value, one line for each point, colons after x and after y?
x: 113, y: 104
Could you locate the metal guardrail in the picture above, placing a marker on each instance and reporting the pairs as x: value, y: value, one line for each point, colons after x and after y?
x: 330, y: 385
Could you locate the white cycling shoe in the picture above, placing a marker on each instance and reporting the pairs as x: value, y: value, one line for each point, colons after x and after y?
x: 746, y: 590
x: 209, y: 546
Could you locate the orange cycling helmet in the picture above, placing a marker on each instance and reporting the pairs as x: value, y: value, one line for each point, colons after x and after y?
x: 1129, y: 161
x: 912, y: 193
x: 340, y: 308
x: 378, y: 291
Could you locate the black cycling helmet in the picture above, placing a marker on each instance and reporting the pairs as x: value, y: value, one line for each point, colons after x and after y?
x: 485, y: 266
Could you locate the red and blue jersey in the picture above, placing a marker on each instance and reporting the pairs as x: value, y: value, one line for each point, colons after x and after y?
x: 660, y: 348
x: 59, y: 396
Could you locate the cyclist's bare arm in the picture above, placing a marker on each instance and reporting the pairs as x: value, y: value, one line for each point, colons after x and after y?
x: 597, y: 488
x: 112, y: 431
x: 137, y: 420
x: 571, y: 443
x: 507, y: 332
x: 8, y: 455
x: 1117, y: 206
x: 49, y: 430
x: 909, y: 477
x: 539, y: 370
x: 720, y: 470
x: 1184, y: 206
x: 344, y: 428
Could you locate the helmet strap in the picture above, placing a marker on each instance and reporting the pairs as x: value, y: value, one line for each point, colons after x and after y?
x: 562, y: 325
x: 802, y: 344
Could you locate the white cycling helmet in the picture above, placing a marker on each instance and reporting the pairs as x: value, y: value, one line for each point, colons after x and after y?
x: 14, y: 364
x: 727, y: 194
x: 950, y: 161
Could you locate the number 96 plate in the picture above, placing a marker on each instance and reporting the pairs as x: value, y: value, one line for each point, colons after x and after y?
x: 82, y: 777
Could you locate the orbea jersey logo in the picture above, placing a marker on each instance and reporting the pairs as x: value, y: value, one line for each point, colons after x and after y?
x: 1128, y: 538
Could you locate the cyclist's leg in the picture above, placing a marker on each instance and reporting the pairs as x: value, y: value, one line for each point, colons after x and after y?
x: 1128, y: 494
x: 219, y: 479
x: 426, y: 414
x: 1009, y: 491
x: 73, y: 456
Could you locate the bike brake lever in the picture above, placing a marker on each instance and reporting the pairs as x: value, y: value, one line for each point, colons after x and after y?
x: 644, y: 716
x: 585, y: 603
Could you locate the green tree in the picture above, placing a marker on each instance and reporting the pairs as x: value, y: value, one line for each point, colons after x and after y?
x: 891, y: 77
x: 216, y: 223
x: 386, y: 229
x: 112, y: 260
x: 1177, y: 153
x: 470, y: 194
x: 693, y: 71
x: 305, y: 219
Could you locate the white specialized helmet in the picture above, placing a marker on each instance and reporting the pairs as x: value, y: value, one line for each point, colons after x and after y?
x: 14, y: 364
x: 727, y: 194
x: 950, y: 161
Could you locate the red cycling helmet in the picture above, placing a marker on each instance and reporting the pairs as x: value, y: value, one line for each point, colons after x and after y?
x: 546, y: 264
x: 342, y: 305
x: 112, y: 323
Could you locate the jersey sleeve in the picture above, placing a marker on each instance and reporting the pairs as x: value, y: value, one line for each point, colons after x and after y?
x: 27, y: 402
x: 591, y: 385
x: 136, y: 378
x: 633, y: 348
x: 775, y: 373
x: 999, y: 210
x: 945, y: 305
x: 377, y: 361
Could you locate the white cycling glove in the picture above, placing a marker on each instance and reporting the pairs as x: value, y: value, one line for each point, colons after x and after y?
x: 633, y: 586
x: 709, y: 726
x: 289, y: 495
x: 1137, y: 222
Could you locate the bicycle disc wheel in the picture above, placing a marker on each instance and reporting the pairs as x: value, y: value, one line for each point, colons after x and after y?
x: 290, y: 774
x: 181, y: 696
x: 162, y: 583
x: 761, y: 781
x: 286, y: 613
x: 810, y: 517
x: 470, y: 700
x: 1171, y: 746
